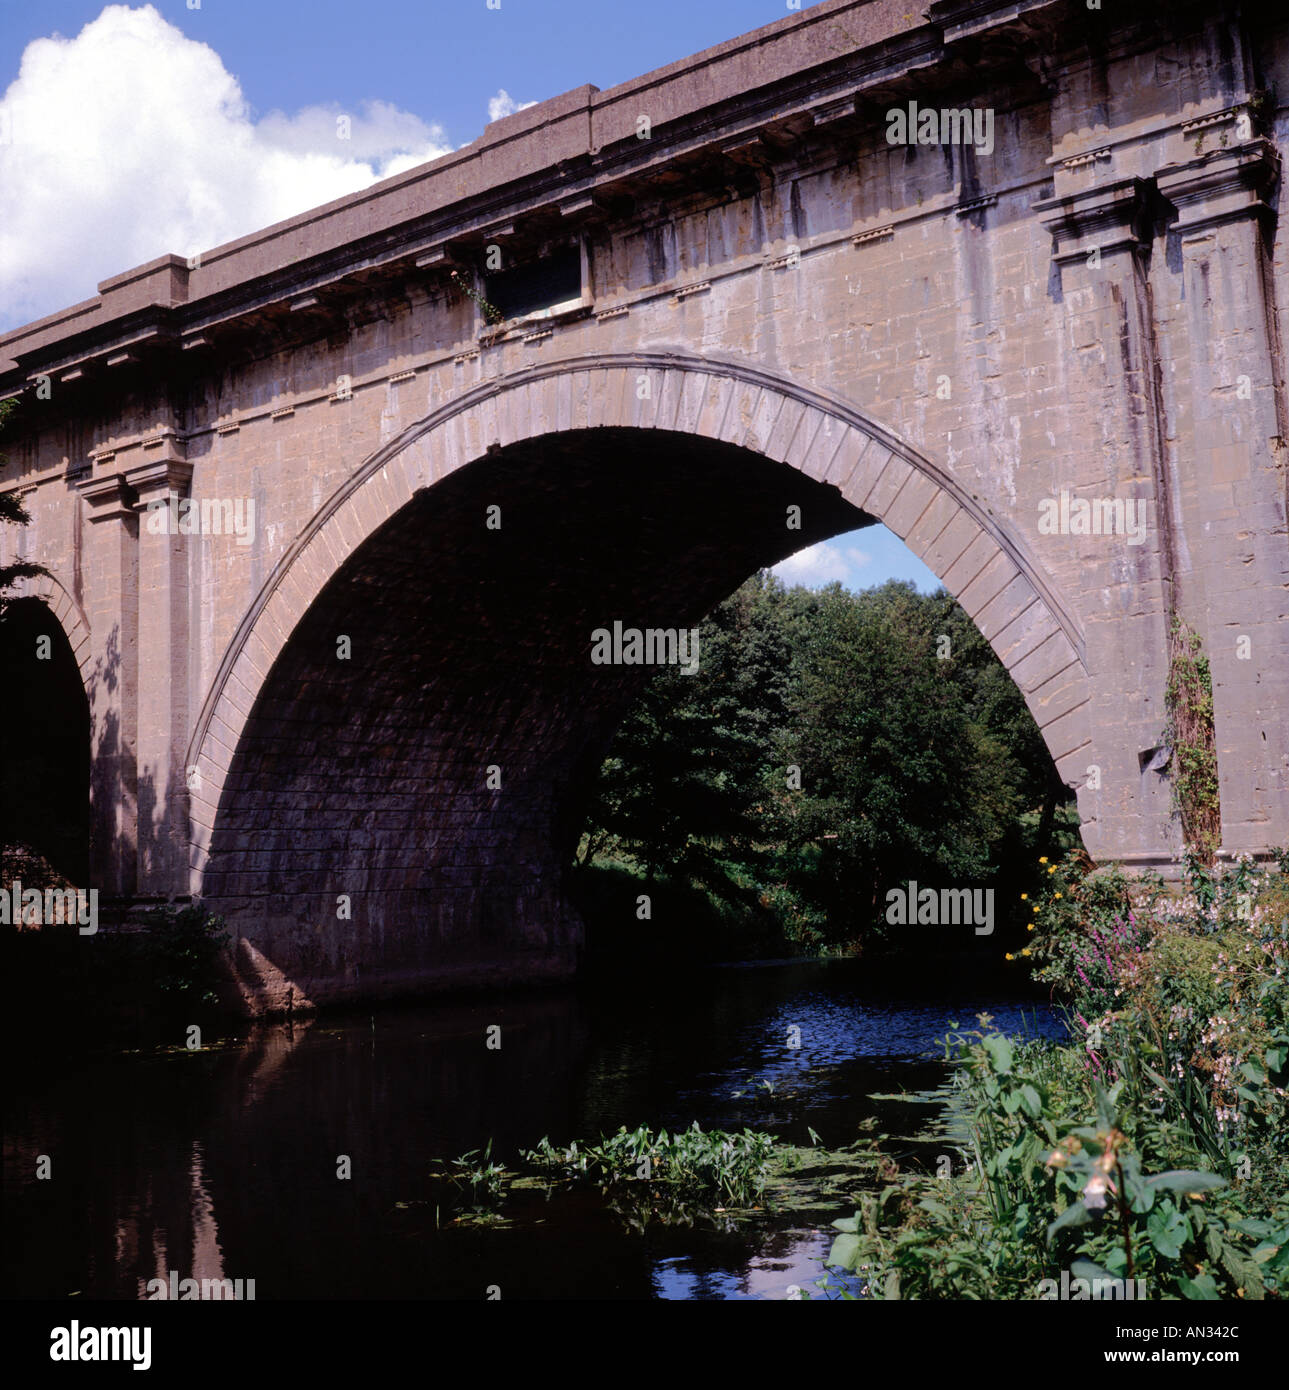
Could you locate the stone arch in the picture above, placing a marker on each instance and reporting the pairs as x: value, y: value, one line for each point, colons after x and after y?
x: 979, y: 558
x: 45, y: 746
x: 71, y: 617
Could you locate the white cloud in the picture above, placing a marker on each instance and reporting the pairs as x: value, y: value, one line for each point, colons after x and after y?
x: 503, y: 104
x: 821, y: 564
x: 132, y: 140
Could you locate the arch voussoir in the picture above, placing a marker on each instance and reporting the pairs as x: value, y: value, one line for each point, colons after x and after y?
x: 893, y: 476
x: 914, y: 498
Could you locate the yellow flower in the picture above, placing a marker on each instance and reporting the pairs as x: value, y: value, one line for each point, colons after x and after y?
x: 1025, y: 951
x: 1033, y: 907
x: 1024, y: 897
x: 1051, y: 868
x: 1056, y: 895
x: 1009, y: 956
x: 1043, y: 859
x: 1029, y: 926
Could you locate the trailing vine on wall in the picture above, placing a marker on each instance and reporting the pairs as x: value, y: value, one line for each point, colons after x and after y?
x: 1189, y: 702
x: 492, y: 315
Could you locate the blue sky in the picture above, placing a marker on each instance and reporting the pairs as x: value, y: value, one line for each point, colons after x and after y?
x: 131, y: 130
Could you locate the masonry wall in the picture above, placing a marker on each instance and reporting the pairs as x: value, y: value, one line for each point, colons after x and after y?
x: 1098, y: 306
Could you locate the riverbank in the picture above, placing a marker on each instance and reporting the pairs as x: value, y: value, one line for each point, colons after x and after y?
x: 1148, y: 1153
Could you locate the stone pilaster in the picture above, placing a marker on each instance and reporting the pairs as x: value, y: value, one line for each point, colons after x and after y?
x: 1235, y: 571
x: 159, y: 484
x: 111, y: 604
x: 1101, y: 243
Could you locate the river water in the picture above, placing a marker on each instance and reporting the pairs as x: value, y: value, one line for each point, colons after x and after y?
x: 229, y: 1162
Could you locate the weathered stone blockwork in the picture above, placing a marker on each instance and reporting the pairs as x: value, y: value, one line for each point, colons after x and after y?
x: 779, y: 308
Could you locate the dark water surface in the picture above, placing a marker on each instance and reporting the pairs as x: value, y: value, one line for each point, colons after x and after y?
x: 223, y: 1163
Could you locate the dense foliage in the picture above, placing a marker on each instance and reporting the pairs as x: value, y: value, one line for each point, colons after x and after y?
x: 830, y: 747
x: 14, y: 513
x: 1151, y: 1148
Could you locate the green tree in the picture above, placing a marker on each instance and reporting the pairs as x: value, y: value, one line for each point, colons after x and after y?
x: 684, y: 777
x: 898, y: 780
x: 14, y: 513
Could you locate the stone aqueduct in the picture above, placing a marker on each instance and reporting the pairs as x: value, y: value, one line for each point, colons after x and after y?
x: 727, y: 294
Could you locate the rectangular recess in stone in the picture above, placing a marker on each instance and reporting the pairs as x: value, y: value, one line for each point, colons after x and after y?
x: 536, y: 285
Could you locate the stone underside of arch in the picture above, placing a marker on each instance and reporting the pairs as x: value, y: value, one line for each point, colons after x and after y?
x: 343, y: 812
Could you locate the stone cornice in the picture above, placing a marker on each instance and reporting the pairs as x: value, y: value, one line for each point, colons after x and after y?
x: 1222, y: 186
x: 1105, y: 217
x: 108, y: 495
x: 160, y: 476
x: 556, y: 156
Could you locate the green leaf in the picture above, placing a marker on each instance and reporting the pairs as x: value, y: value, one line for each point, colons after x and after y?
x: 1203, y: 1288
x: 1106, y: 1104
x: 1085, y: 1269
x: 1076, y: 1214
x: 844, y: 1252
x: 1000, y: 1052
x: 848, y: 1224
x: 1168, y: 1231
x: 1183, y: 1180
